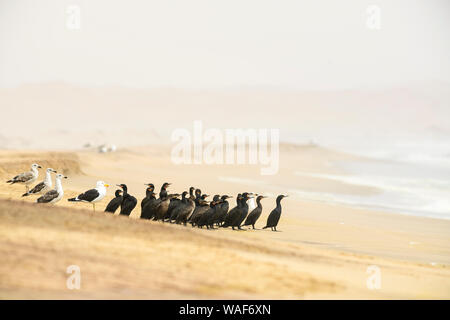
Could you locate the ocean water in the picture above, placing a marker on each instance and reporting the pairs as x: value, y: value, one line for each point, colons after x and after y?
x: 411, y: 174
x: 412, y: 177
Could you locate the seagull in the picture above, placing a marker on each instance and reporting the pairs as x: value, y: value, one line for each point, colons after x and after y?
x: 44, y: 186
x: 54, y: 195
x: 92, y: 195
x: 28, y: 177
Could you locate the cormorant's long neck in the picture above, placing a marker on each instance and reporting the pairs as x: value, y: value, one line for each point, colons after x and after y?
x: 125, y: 190
x: 258, y: 202
x: 148, y: 193
x: 279, y: 204
x: 163, y: 193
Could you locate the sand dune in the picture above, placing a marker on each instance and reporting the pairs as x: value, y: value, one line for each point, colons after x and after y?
x: 322, y: 251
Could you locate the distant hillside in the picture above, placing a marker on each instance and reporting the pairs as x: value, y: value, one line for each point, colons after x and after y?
x: 64, y: 115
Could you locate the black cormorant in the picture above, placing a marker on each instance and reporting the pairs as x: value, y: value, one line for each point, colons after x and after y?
x: 255, y: 214
x: 208, y: 215
x: 198, y: 194
x: 173, y: 212
x: 221, y: 210
x: 199, y: 210
x: 174, y: 203
x: 148, y: 194
x: 274, y: 216
x: 231, y: 216
x: 199, y: 202
x: 243, y: 212
x: 163, y: 192
x: 185, y: 211
x: 128, y: 203
x: 148, y: 210
x: 161, y: 209
x: 115, y: 202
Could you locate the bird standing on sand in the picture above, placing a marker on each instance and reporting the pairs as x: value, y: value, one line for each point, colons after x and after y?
x: 173, y: 214
x: 243, y: 212
x: 200, y: 208
x: 274, y: 216
x: 222, y: 210
x: 149, y: 207
x: 175, y: 204
x: 163, y: 206
x: 128, y: 203
x: 92, y: 195
x: 54, y: 195
x: 207, y: 217
x: 185, y: 210
x: 26, y: 178
x: 255, y: 213
x: 115, y: 202
x: 232, y: 213
x: 148, y: 195
x: 44, y: 186
x: 238, y: 214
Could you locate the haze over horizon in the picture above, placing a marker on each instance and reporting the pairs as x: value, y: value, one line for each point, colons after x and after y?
x: 319, y: 66
x: 313, y: 45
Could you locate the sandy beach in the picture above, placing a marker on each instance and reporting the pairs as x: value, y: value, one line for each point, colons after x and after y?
x: 322, y: 250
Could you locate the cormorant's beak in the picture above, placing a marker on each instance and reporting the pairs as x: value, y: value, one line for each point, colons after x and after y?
x: 263, y: 197
x: 119, y: 185
x: 286, y: 196
x: 106, y: 185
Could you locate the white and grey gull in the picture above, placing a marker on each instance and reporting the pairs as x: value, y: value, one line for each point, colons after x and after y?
x: 44, y: 186
x: 28, y: 177
x: 54, y: 195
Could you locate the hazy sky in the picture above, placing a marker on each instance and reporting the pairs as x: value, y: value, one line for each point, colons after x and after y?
x: 214, y: 44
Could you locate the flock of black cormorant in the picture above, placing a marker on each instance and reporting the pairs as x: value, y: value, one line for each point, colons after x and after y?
x: 193, y: 208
